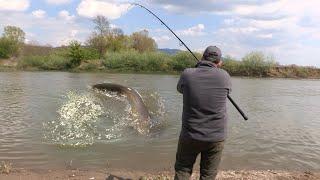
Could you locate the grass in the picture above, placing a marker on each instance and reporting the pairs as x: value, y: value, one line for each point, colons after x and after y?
x: 49, y: 62
x: 136, y: 62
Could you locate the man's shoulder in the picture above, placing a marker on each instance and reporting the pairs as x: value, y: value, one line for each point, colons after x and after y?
x: 224, y: 72
x: 188, y: 71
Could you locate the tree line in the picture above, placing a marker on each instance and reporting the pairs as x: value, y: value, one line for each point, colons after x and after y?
x: 103, y: 39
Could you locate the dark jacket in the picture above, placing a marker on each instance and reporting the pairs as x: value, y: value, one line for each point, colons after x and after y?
x: 205, y: 89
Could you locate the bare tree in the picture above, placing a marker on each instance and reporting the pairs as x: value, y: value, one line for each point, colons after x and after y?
x: 102, y: 25
x: 98, y: 38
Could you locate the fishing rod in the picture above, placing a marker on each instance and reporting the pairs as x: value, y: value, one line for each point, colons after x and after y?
x: 229, y: 97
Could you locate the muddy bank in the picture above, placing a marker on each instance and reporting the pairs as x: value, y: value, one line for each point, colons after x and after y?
x: 108, y: 174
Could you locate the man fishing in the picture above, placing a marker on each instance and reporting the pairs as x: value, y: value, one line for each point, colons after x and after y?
x: 204, y: 118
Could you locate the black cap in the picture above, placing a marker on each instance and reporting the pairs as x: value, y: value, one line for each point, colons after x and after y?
x: 212, y: 53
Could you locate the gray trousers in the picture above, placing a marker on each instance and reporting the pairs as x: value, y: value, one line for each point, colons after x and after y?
x: 187, y: 153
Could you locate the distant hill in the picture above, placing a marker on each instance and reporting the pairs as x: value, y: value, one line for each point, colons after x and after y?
x: 170, y: 51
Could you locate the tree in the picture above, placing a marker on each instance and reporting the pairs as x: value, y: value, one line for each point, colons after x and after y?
x: 14, y: 33
x: 97, y: 42
x: 102, y: 25
x: 75, y: 54
x: 98, y: 38
x: 11, y: 42
x: 7, y: 47
x: 142, y: 42
x: 116, y: 40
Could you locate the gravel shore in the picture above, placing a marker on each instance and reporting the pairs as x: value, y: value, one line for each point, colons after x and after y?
x: 22, y: 174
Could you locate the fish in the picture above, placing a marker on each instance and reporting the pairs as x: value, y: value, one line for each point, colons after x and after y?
x: 138, y: 108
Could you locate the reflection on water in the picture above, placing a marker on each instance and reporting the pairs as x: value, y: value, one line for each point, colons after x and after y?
x: 43, y: 114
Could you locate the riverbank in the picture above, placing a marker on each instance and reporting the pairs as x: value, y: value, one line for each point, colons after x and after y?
x: 285, y: 72
x: 109, y: 174
x: 154, y: 63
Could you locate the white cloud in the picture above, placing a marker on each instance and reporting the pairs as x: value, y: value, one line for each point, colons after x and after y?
x: 242, y: 30
x: 197, y: 30
x: 66, y: 15
x: 110, y: 9
x: 39, y: 13
x: 161, y: 39
x: 14, y: 5
x: 58, y: 2
x: 55, y: 31
x: 191, y: 6
x: 71, y: 35
x: 265, y: 36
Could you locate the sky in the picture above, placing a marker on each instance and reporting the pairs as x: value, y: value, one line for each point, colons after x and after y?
x: 289, y: 30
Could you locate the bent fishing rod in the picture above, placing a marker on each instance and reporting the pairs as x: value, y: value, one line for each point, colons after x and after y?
x: 229, y: 97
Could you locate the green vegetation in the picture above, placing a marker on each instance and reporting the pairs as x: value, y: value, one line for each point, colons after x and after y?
x: 253, y: 64
x: 104, y: 38
x: 134, y: 61
x: 49, y: 62
x: 108, y: 49
x: 11, y: 41
x: 75, y: 54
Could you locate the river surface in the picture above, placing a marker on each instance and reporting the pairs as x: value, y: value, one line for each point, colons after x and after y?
x: 54, y: 120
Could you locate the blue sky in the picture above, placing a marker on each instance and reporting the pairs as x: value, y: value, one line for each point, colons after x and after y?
x: 287, y: 29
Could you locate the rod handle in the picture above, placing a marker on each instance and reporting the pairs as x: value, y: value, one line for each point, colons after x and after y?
x: 238, y: 108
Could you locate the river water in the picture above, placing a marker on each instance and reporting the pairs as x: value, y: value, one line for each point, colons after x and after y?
x: 53, y: 120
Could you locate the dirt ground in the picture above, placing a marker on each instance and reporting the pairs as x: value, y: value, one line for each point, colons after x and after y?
x: 22, y: 174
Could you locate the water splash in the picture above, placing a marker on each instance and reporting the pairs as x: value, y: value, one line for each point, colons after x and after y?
x: 117, y: 111
x: 156, y: 107
x: 99, y: 116
x: 77, y: 122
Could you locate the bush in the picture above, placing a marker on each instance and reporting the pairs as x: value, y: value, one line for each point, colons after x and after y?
x: 90, y: 65
x: 50, y: 62
x: 8, y: 47
x: 75, y: 53
x: 256, y: 64
x: 90, y: 53
x: 231, y: 65
x: 183, y: 60
x: 137, y: 62
x: 148, y: 61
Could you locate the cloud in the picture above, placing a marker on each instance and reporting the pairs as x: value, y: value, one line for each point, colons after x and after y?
x: 110, y: 9
x: 39, y: 13
x: 197, y: 30
x: 265, y: 36
x: 55, y: 31
x: 189, y: 6
x: 70, y: 35
x: 66, y: 15
x: 161, y: 39
x: 14, y: 5
x: 58, y: 2
x: 288, y: 29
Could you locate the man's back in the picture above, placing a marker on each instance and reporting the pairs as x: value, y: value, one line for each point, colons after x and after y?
x: 205, y: 91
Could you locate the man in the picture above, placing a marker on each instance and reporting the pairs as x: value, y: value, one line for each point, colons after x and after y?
x: 205, y: 89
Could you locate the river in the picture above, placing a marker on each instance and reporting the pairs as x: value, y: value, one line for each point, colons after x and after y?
x: 283, y: 130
